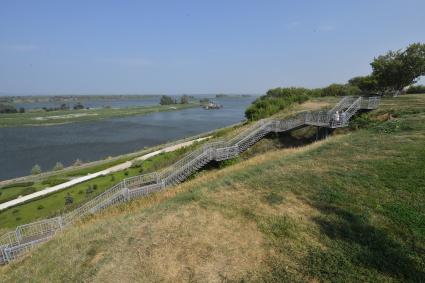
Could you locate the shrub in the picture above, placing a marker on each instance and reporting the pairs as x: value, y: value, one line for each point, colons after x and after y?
x: 276, y: 100
x: 167, y: 100
x: 361, y: 121
x: 58, y: 166
x: 388, y: 127
x: 89, y: 190
x: 40, y: 207
x: 340, y: 90
x: 69, y: 199
x: 228, y: 162
x: 36, y: 169
x: 416, y: 89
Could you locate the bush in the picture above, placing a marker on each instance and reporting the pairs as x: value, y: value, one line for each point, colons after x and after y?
x: 89, y: 190
x: 361, y: 121
x: 416, y: 89
x: 389, y: 127
x: 68, y: 199
x: 40, y: 207
x: 36, y: 169
x: 167, y: 100
x: 340, y: 90
x: 276, y: 100
x: 58, y: 166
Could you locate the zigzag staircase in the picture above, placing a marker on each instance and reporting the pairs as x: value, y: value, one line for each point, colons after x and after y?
x: 17, y: 243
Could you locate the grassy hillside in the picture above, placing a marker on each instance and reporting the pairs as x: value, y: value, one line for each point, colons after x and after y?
x: 346, y: 209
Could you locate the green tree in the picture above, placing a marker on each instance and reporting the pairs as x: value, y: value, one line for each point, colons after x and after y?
x: 366, y: 84
x: 398, y: 69
x: 36, y: 169
x: 184, y: 99
x: 7, y: 108
x: 58, y: 166
x: 166, y: 100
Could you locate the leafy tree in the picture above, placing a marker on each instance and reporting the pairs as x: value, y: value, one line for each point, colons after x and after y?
x: 166, y: 100
x: 58, y: 166
x: 69, y: 199
x: 366, y: 84
x: 398, y: 69
x: 78, y: 106
x: 36, y: 169
x: 7, y: 108
x: 184, y: 99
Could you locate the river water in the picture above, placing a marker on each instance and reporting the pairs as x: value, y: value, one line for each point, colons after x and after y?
x: 22, y: 147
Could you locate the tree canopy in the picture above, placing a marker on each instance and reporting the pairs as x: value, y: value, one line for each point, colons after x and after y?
x: 166, y: 100
x: 398, y: 69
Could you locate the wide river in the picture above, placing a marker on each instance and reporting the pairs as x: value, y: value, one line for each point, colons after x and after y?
x: 22, y: 147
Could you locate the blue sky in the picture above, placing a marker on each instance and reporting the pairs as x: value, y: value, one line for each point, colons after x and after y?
x: 83, y: 47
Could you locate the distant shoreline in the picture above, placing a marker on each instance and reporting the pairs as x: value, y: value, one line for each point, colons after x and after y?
x: 43, y: 118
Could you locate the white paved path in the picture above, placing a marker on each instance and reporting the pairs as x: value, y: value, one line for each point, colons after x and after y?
x: 75, y: 181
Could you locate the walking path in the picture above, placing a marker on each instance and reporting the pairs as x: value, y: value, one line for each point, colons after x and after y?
x: 107, y: 171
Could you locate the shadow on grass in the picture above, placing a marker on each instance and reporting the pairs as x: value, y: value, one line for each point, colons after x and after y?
x: 367, y: 246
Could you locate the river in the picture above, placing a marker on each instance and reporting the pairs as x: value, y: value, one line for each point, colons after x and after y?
x: 22, y: 147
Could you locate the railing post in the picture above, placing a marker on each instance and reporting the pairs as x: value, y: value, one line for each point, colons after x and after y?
x: 18, y: 235
x: 60, y: 221
x: 126, y: 194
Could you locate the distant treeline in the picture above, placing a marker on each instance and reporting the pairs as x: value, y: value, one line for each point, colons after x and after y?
x: 10, y: 108
x: 70, y: 98
x: 168, y: 100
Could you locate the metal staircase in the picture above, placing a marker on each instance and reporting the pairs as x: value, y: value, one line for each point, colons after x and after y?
x: 17, y: 243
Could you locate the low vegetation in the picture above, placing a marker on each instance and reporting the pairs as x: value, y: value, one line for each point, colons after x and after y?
x: 41, y: 117
x: 345, y: 209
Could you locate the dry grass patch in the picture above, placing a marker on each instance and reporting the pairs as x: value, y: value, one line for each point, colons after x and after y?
x: 191, y: 244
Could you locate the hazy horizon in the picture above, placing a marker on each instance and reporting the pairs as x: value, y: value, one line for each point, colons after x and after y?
x: 192, y: 47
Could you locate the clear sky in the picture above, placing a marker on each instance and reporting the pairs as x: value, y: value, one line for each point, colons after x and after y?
x: 82, y: 47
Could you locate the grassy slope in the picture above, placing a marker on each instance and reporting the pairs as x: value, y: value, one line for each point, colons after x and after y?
x: 349, y: 208
x: 31, y: 118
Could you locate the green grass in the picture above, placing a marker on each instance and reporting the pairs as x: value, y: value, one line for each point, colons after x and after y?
x: 42, y: 118
x: 346, y: 209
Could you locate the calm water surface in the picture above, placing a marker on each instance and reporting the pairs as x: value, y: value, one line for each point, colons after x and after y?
x: 22, y: 147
